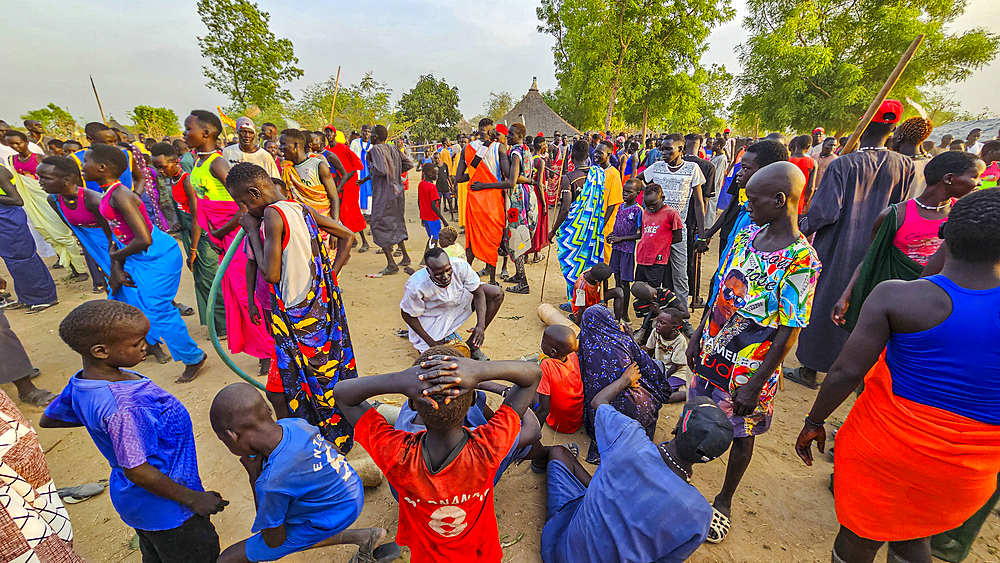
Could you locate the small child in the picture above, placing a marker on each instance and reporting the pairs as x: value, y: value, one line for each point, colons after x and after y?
x: 429, y: 202
x: 447, y: 239
x: 649, y: 301
x: 587, y: 291
x: 144, y: 432
x: 669, y: 346
x: 444, y: 475
x: 305, y: 491
x: 627, y: 230
x: 661, y: 227
x: 560, y: 393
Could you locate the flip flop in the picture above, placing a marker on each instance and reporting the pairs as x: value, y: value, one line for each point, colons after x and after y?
x: 40, y: 308
x: 184, y: 309
x: 385, y: 272
x: 794, y: 376
x: 80, y: 493
x: 719, y: 528
x: 405, y: 263
x: 482, y: 272
x: 478, y: 355
x: 364, y: 248
x: 37, y: 398
x: 566, y: 307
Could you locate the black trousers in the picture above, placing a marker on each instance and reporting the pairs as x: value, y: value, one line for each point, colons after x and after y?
x: 194, y: 541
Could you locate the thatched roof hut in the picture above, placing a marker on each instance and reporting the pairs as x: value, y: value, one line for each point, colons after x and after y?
x: 537, y: 115
x: 464, y: 127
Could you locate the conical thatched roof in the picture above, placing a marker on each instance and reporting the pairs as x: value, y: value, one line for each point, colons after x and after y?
x: 465, y: 127
x: 537, y: 115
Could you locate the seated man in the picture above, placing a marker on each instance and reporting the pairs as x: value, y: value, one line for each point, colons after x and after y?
x: 438, y: 299
x: 600, y: 519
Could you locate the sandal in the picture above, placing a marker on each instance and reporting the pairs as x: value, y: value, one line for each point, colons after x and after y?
x: 573, y: 449
x: 37, y: 397
x: 385, y: 272
x: 364, y: 248
x: 41, y: 307
x: 405, y: 263
x: 794, y: 376
x: 719, y: 528
x: 521, y: 289
x: 537, y: 259
x: 184, y: 309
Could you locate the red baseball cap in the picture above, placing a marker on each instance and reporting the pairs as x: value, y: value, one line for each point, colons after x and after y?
x: 727, y: 130
x: 502, y: 129
x: 819, y: 130
x: 891, y: 111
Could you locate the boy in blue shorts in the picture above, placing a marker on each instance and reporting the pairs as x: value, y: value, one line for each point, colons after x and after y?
x: 144, y: 432
x: 306, y: 492
x: 627, y: 230
x: 429, y: 202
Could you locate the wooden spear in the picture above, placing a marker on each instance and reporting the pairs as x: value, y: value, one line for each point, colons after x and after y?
x: 336, y: 86
x: 92, y: 85
x: 852, y: 142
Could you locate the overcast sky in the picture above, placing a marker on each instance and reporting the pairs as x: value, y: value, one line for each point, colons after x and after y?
x: 146, y: 52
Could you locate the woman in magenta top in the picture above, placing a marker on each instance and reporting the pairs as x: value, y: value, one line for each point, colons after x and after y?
x: 142, y: 256
x: 949, y: 176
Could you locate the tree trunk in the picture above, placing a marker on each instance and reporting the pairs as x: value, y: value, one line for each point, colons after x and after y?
x: 614, y: 88
x: 645, y: 116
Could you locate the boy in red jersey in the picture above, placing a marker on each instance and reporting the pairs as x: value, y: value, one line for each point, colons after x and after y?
x: 444, y: 475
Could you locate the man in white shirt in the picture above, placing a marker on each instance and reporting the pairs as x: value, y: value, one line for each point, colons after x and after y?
x: 438, y: 299
x: 972, y: 143
x: 681, y: 180
x: 818, y: 135
x: 721, y: 162
x: 361, y: 146
x: 247, y: 150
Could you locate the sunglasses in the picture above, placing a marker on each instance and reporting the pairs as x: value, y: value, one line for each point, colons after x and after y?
x: 729, y: 295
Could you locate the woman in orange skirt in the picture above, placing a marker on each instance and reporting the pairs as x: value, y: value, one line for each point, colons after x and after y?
x: 920, y: 451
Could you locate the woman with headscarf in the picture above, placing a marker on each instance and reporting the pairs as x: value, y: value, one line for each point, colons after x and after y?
x: 605, y: 351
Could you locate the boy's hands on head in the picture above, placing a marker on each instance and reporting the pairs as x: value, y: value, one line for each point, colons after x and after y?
x: 447, y: 375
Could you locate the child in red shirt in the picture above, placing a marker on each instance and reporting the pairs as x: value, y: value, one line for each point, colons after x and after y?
x: 587, y: 291
x: 445, y: 474
x: 429, y: 200
x: 661, y: 227
x: 560, y: 393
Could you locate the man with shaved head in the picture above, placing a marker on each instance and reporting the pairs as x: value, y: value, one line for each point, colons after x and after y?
x: 768, y: 279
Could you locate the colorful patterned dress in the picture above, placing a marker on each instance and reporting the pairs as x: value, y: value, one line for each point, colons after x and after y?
x: 317, y: 352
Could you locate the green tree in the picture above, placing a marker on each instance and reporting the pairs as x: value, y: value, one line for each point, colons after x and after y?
x: 432, y: 107
x: 820, y: 62
x: 249, y: 64
x: 154, y: 122
x: 56, y: 120
x: 497, y: 105
x: 643, y: 54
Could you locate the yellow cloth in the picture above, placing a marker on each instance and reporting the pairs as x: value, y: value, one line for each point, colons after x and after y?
x: 612, y: 196
x: 47, y: 221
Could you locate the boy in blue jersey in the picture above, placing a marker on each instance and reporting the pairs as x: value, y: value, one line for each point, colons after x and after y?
x: 100, y: 134
x: 640, y: 504
x: 306, y: 492
x: 144, y: 432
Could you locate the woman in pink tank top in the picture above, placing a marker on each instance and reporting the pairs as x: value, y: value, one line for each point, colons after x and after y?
x: 949, y: 176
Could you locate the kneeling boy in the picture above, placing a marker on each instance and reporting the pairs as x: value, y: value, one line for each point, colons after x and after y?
x: 306, y: 492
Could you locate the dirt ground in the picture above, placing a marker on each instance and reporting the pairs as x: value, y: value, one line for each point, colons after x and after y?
x: 782, y: 512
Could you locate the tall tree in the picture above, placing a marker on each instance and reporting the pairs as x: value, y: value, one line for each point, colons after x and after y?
x: 432, y: 106
x: 608, y: 51
x: 497, y: 105
x: 820, y: 62
x: 249, y: 64
x: 154, y: 122
x: 55, y: 119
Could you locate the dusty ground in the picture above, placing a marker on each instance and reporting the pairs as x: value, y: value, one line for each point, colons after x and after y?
x: 782, y: 512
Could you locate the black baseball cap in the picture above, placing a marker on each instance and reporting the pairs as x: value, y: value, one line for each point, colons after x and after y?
x: 704, y: 432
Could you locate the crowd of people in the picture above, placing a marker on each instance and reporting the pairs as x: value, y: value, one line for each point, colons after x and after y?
x: 821, y: 248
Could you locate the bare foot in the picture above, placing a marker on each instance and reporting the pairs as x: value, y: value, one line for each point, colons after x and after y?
x: 191, y: 371
x: 157, y: 352
x: 265, y: 366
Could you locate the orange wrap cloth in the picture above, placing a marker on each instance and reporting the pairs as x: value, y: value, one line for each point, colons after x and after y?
x: 485, y: 215
x: 904, y: 470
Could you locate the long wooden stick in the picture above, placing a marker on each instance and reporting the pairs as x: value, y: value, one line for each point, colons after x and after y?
x: 882, y: 95
x: 92, y: 85
x: 336, y: 86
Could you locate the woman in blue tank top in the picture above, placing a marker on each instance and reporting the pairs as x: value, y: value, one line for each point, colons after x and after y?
x: 920, y: 451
